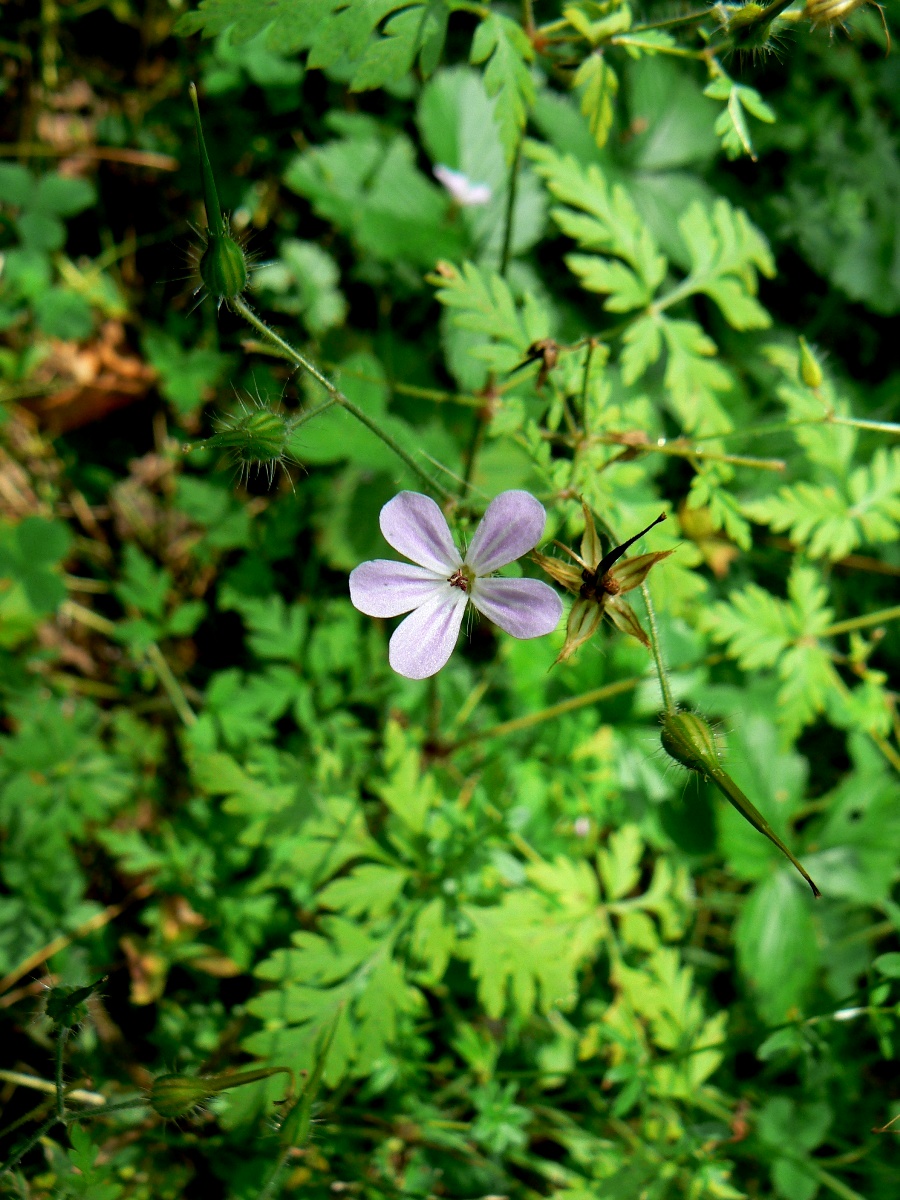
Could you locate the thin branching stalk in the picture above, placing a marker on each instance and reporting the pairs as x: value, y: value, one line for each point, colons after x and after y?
x: 863, y: 622
x: 240, y: 306
x: 509, y: 216
x: 171, y: 686
x: 30, y: 1142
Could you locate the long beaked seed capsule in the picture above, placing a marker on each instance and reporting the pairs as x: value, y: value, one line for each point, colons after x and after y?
x: 173, y: 1096
x: 688, y: 739
x: 223, y: 266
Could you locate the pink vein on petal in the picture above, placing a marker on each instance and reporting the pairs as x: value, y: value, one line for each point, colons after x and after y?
x: 525, y: 608
x: 511, y: 526
x: 386, y: 589
x: 414, y: 525
x: 422, y: 643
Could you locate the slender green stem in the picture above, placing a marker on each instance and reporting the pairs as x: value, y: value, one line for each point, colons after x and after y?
x: 548, y: 714
x: 801, y: 422
x: 625, y: 39
x: 510, y: 209
x: 313, y: 412
x: 586, y: 381
x: 61, y: 1035
x: 862, y: 423
x: 670, y: 21
x: 241, y: 307
x: 120, y: 1106
x: 475, y: 443
x: 677, y: 448
x: 875, y: 618
x: 657, y: 652
x: 29, y: 1144
x: 172, y: 687
x: 436, y: 395
x: 277, y: 1172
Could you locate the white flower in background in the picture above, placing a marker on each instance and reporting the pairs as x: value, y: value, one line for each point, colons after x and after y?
x: 466, y: 193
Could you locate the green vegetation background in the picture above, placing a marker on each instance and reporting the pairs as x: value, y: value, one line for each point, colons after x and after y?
x: 551, y: 964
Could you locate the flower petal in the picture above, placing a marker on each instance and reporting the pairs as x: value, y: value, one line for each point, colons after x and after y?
x: 386, y: 589
x: 414, y: 525
x: 512, y: 526
x: 526, y: 608
x: 422, y: 643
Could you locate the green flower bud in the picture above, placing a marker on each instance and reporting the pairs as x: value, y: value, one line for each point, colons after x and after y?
x: 259, y: 438
x: 66, y: 1005
x: 810, y: 371
x: 688, y: 738
x: 223, y: 265
x: 173, y: 1096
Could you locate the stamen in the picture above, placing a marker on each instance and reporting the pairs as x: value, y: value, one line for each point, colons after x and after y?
x: 458, y: 580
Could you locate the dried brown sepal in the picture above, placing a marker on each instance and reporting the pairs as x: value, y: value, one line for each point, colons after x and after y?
x: 631, y: 572
x: 562, y: 573
x: 584, y: 621
x: 591, y: 550
x: 625, y: 620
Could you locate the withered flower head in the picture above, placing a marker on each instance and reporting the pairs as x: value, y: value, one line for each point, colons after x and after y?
x: 599, y: 581
x: 546, y: 352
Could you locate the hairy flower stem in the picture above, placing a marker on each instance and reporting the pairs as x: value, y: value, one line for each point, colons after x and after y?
x: 240, y: 306
x: 657, y: 653
x: 275, y: 1175
x: 29, y: 1143
x: 61, y: 1035
x: 686, y: 19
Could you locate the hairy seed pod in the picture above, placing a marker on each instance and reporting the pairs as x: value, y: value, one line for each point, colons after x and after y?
x: 223, y: 267
x: 810, y: 371
x: 173, y: 1096
x: 688, y: 738
x: 831, y: 12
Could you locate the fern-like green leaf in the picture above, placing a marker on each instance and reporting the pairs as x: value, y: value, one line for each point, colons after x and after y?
x: 483, y: 303
x: 831, y: 520
x: 502, y: 44
x: 600, y: 86
x: 380, y: 38
x: 601, y: 218
x: 731, y: 125
x: 763, y: 631
x: 726, y: 253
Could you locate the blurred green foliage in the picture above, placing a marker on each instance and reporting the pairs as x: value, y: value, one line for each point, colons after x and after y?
x: 515, y: 950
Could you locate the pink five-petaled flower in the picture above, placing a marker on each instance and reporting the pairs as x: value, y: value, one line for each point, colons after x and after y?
x: 436, y: 590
